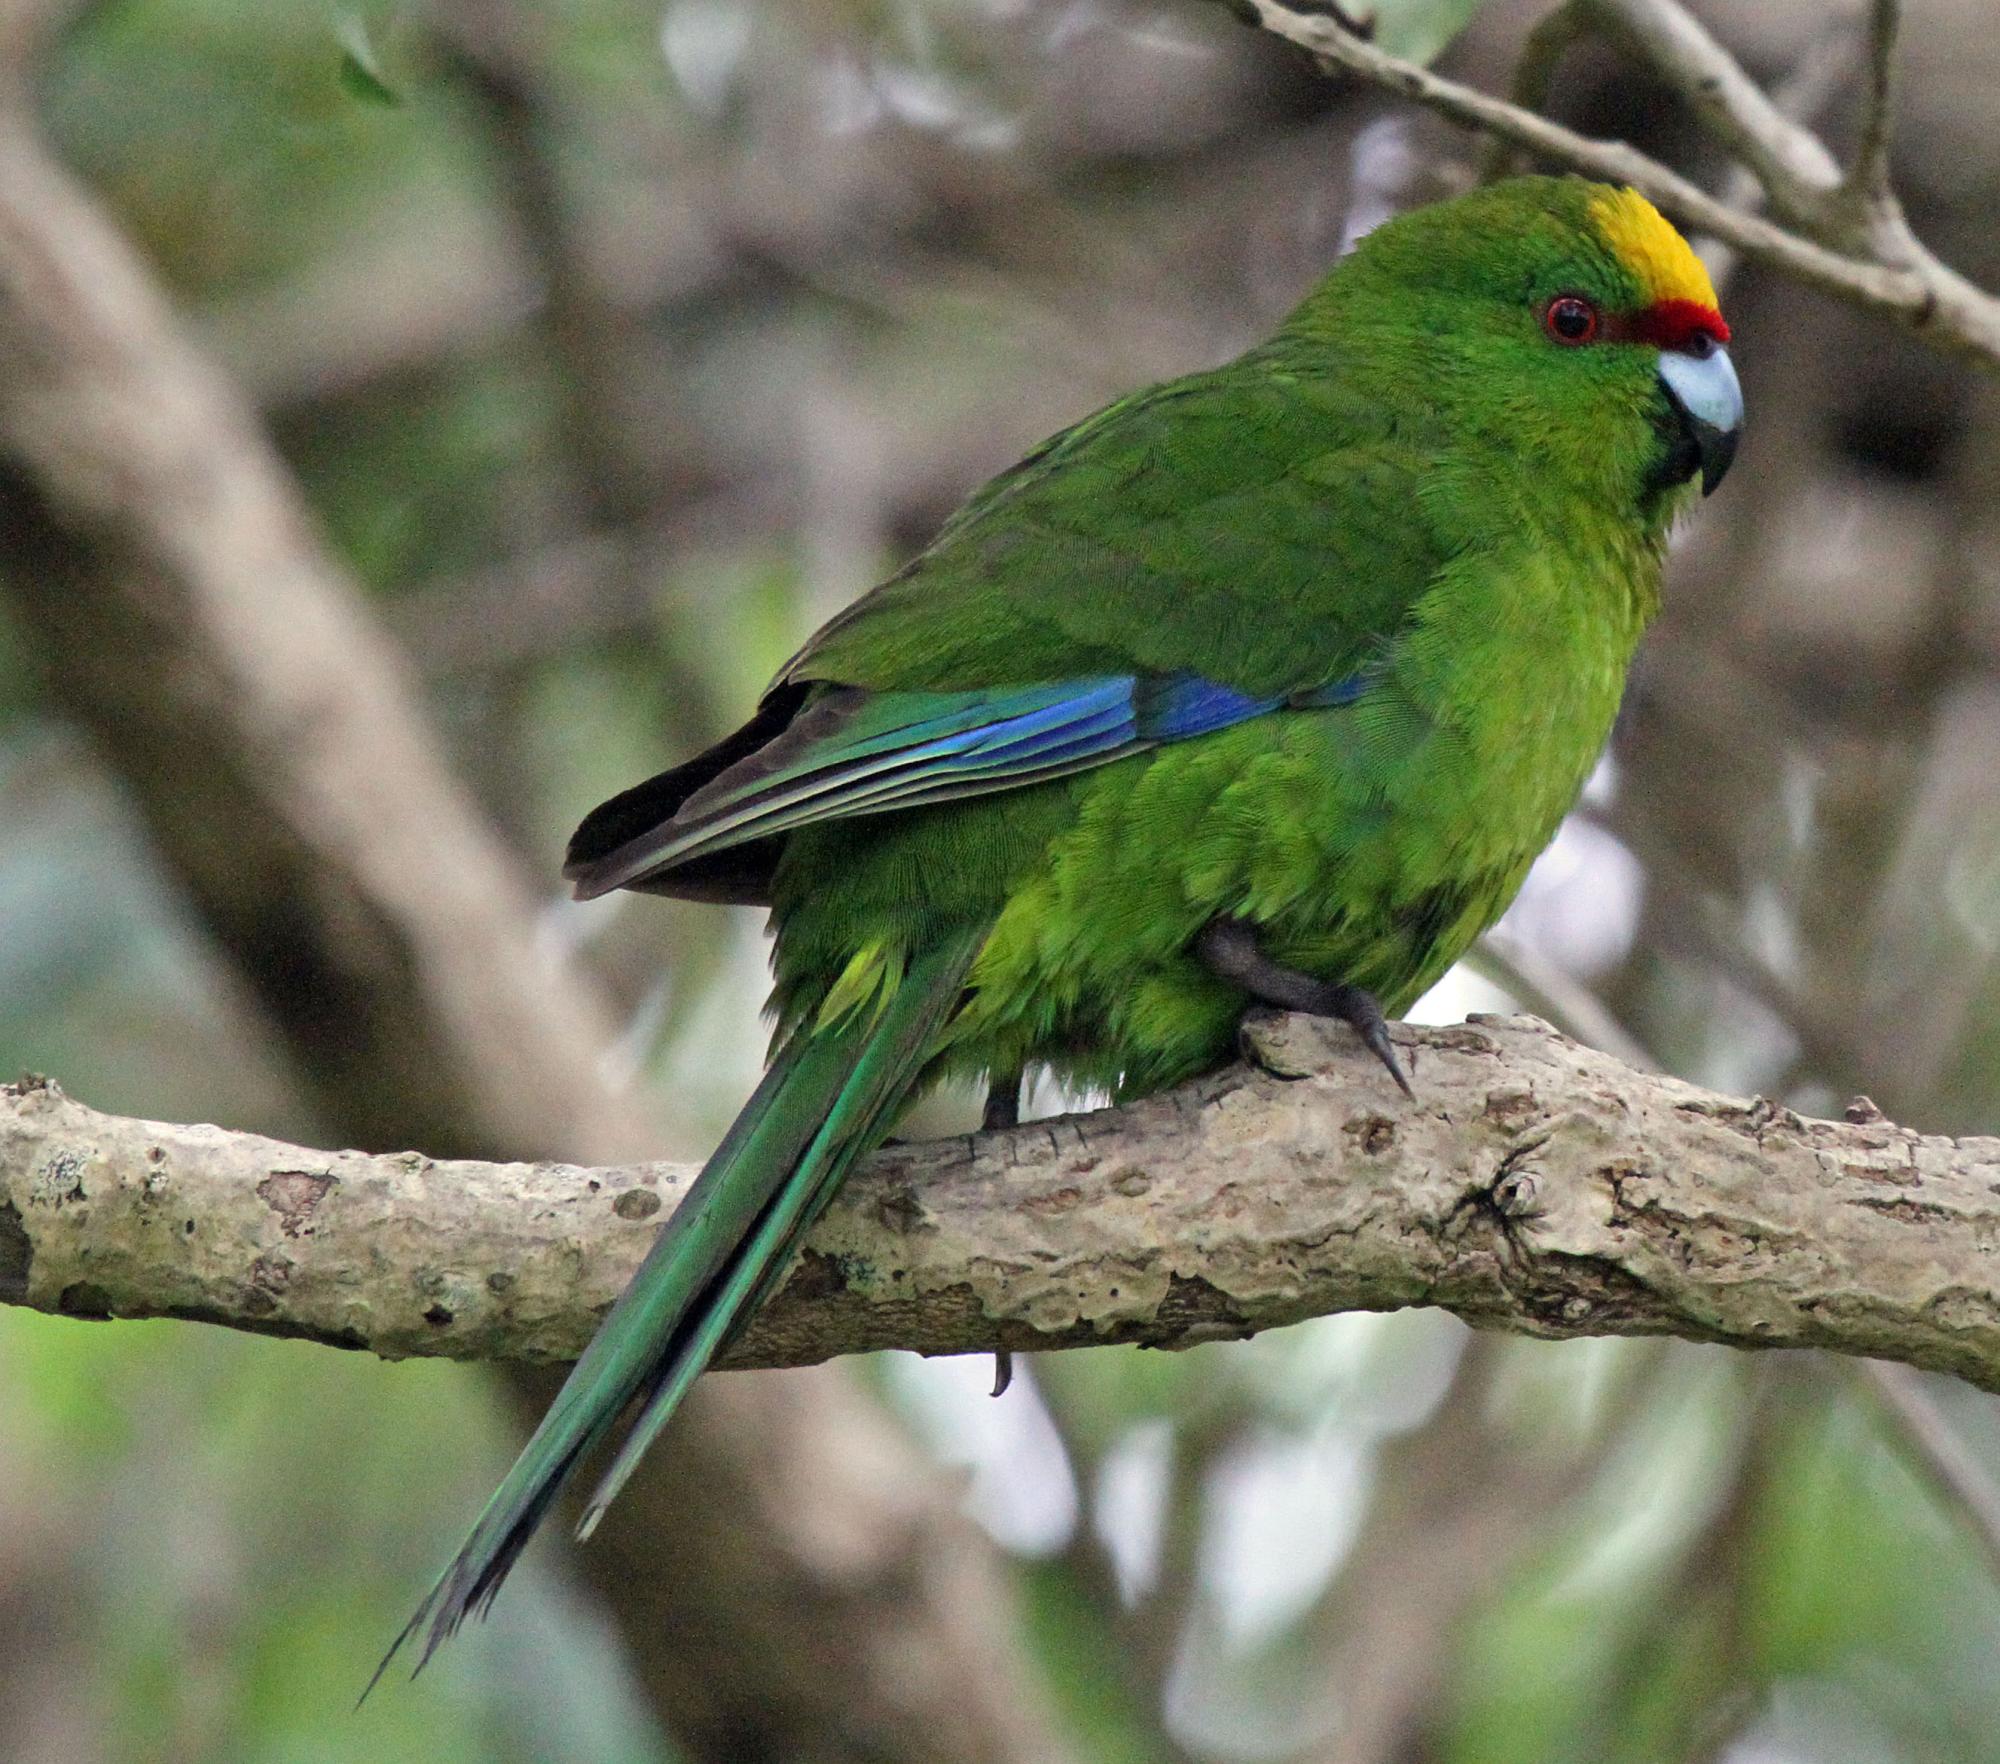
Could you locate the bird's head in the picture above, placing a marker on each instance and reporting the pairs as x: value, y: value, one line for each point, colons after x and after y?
x: 1556, y: 316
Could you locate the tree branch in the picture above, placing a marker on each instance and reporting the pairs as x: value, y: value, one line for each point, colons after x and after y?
x: 1862, y: 251
x: 170, y: 582
x: 1870, y: 176
x: 1789, y: 161
x: 1957, y: 1475
x: 1539, y: 1187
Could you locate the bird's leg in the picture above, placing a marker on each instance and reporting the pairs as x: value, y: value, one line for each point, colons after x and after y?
x: 1003, y: 1109
x: 1229, y: 948
x: 1003, y: 1102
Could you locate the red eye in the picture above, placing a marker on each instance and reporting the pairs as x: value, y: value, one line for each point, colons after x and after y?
x: 1570, y: 319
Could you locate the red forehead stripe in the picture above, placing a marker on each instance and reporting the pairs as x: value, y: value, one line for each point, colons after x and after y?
x: 1672, y: 324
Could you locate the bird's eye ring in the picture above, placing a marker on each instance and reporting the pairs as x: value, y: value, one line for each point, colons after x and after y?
x: 1570, y: 319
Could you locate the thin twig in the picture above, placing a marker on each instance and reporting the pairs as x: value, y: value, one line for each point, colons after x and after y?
x: 1534, y: 75
x: 1900, y: 293
x: 1777, y: 159
x: 1869, y: 179
x: 1823, y: 68
x: 1792, y: 163
x: 1938, y: 1451
x: 1540, y: 986
x: 1901, y: 279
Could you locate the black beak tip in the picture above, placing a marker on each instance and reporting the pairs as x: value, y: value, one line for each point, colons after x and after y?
x: 1715, y: 448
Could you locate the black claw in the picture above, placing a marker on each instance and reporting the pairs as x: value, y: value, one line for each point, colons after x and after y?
x: 1003, y: 1371
x: 1362, y: 1011
x: 1376, y: 1036
x: 1230, y: 949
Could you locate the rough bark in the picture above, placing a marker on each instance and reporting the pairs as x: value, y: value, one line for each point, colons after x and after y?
x: 1537, y: 1186
x: 172, y: 586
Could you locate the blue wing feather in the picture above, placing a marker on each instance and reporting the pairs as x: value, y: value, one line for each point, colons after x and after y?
x: 947, y: 745
x: 1185, y: 705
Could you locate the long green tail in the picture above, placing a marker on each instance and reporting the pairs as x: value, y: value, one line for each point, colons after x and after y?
x: 829, y: 1095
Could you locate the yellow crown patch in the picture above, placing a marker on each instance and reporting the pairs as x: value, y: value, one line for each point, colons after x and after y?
x: 1646, y: 241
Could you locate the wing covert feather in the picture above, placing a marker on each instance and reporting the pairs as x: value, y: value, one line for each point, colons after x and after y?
x: 1212, y: 549
x: 1262, y: 529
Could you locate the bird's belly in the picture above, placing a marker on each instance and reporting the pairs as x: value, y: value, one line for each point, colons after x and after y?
x: 1370, y: 847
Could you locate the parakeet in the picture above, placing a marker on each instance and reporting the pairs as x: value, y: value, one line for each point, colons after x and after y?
x: 1265, y: 684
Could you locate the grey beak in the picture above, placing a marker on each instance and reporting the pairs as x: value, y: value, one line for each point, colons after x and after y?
x: 1708, y: 400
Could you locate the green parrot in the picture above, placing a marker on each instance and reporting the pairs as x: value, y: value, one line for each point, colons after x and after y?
x: 1266, y: 684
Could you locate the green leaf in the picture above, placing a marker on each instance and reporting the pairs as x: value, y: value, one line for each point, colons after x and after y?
x: 361, y: 75
x: 1414, y: 29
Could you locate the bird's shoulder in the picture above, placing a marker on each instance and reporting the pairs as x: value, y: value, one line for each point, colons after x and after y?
x: 1260, y: 524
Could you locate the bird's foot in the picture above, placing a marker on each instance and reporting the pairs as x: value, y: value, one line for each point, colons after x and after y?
x: 1003, y: 1108
x: 1229, y: 948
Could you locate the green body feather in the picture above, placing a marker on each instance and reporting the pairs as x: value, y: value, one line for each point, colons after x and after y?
x: 1409, y: 488
x: 1407, y: 479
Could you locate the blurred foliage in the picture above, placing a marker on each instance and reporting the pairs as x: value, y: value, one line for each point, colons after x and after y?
x: 1414, y: 29
x: 617, y: 344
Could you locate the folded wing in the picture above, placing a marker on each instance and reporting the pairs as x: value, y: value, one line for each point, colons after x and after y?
x: 844, y: 751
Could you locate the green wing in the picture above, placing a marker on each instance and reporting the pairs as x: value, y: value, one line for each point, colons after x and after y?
x: 1217, y: 548
x: 1262, y: 526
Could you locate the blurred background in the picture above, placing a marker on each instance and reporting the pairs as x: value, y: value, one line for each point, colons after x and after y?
x: 614, y: 346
